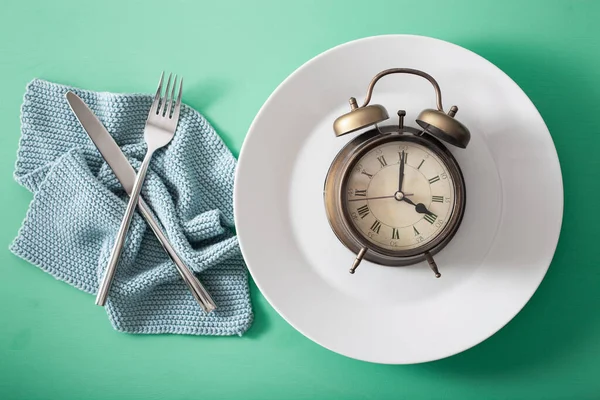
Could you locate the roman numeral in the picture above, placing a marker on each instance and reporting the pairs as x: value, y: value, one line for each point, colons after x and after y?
x: 437, y: 199
x: 382, y: 161
x: 395, y: 233
x: 366, y: 173
x: 416, y: 231
x: 430, y: 218
x: 362, y: 193
x: 422, y: 161
x: 376, y: 226
x: 405, y: 157
x: 363, y: 211
x: 434, y: 179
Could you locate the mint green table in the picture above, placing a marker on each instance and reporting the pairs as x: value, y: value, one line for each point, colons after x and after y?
x: 55, y: 343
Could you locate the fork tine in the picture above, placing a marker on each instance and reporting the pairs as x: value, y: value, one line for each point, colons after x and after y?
x: 178, y: 104
x: 171, y: 98
x: 165, y: 98
x: 154, y: 106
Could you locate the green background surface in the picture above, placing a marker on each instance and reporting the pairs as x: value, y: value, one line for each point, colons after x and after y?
x: 55, y: 343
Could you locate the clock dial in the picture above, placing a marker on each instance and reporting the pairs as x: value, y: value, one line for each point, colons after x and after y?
x: 393, y: 217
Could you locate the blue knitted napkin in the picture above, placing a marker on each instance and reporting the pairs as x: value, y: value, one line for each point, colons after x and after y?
x: 78, y: 204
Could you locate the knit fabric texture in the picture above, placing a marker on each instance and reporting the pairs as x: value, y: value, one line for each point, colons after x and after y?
x: 78, y: 204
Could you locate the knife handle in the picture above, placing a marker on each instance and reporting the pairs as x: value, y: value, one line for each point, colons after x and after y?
x: 198, y: 291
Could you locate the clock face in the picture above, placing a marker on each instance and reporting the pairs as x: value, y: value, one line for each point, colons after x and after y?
x: 393, y: 217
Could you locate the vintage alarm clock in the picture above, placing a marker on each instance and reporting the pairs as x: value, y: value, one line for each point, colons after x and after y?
x: 395, y: 195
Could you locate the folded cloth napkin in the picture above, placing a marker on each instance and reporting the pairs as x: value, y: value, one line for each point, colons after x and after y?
x: 78, y: 204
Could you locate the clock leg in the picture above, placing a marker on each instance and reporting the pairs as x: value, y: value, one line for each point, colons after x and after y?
x: 432, y: 265
x: 358, y: 259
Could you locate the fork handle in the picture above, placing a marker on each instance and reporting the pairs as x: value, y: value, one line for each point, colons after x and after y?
x: 195, y: 286
x: 122, y: 235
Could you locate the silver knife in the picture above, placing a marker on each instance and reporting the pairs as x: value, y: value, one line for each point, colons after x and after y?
x: 114, y: 157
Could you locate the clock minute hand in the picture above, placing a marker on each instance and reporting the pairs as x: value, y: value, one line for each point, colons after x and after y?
x: 401, y: 173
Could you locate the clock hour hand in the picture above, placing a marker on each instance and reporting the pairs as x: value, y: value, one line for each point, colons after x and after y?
x: 420, y: 207
x: 409, y: 201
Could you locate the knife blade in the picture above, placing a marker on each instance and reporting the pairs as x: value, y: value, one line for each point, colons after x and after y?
x: 114, y: 157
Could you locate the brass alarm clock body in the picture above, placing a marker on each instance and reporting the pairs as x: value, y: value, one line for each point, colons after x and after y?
x: 395, y: 195
x: 368, y: 207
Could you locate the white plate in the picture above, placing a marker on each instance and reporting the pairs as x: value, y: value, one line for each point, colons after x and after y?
x: 398, y: 315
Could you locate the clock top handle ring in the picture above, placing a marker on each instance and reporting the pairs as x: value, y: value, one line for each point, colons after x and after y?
x: 436, y: 87
x: 435, y: 122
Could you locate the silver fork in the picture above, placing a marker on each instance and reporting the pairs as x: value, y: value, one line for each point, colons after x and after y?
x: 158, y: 132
